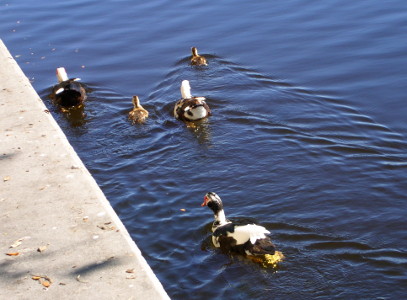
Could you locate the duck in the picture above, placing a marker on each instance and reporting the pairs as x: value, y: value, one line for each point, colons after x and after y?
x: 68, y: 92
x: 196, y: 59
x: 138, y: 114
x: 190, y: 108
x: 243, y: 238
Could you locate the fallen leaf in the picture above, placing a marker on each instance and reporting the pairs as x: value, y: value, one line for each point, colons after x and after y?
x: 130, y: 271
x: 42, y: 248
x: 13, y: 253
x: 78, y: 278
x: 106, y: 227
x: 16, y: 243
x: 45, y: 283
x: 43, y: 279
x: 19, y: 241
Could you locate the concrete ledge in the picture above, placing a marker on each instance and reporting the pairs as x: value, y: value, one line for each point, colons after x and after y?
x: 53, y: 215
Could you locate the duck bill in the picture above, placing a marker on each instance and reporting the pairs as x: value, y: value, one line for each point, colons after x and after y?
x: 205, y: 201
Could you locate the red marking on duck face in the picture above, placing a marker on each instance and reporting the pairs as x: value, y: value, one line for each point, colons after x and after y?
x: 206, y: 199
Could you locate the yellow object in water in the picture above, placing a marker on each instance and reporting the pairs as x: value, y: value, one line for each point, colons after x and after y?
x: 268, y: 260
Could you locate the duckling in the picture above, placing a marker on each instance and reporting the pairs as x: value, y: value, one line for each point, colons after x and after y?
x: 190, y: 108
x: 68, y: 92
x: 197, y: 59
x: 138, y: 114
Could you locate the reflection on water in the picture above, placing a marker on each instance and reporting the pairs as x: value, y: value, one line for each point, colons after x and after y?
x: 302, y: 136
x: 201, y: 130
x: 75, y: 116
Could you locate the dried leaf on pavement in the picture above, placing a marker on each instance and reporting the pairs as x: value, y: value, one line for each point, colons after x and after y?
x: 78, y: 278
x: 16, y: 243
x: 45, y: 283
x: 43, y: 279
x: 42, y: 248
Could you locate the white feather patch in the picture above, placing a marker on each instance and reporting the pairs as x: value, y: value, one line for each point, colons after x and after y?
x: 61, y: 74
x: 60, y: 90
x: 250, y: 232
x: 185, y: 90
x: 197, y: 113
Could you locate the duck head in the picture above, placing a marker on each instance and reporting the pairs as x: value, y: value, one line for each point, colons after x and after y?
x: 194, y: 51
x: 213, y: 201
x: 136, y: 102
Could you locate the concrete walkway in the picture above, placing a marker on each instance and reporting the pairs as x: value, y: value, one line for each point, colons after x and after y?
x: 59, y: 236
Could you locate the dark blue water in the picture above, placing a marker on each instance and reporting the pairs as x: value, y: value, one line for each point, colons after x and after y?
x: 308, y: 133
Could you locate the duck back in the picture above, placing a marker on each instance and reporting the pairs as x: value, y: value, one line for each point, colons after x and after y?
x: 69, y: 93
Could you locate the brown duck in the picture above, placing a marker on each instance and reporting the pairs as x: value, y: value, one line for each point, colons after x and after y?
x: 138, y: 114
x: 196, y: 59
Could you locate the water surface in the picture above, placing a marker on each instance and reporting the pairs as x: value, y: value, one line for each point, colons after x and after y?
x: 308, y: 134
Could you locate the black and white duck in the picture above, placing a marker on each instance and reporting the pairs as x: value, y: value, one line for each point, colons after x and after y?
x: 197, y: 59
x: 68, y: 92
x: 190, y: 108
x: 243, y: 238
x: 138, y: 114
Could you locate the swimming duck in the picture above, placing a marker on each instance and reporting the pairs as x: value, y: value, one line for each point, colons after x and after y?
x: 197, y: 59
x: 242, y: 238
x: 138, y: 114
x: 68, y: 92
x: 190, y: 108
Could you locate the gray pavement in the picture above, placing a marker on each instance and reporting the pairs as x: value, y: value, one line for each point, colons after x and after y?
x: 59, y: 236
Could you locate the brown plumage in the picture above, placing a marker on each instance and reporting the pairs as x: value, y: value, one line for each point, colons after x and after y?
x: 197, y: 59
x: 138, y: 114
x: 68, y: 92
x: 185, y: 108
